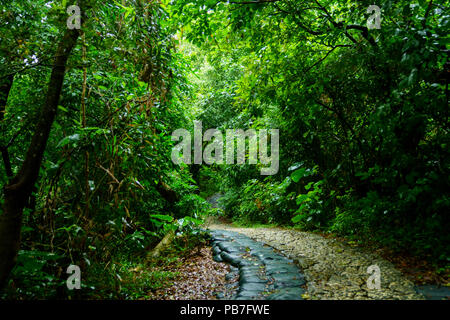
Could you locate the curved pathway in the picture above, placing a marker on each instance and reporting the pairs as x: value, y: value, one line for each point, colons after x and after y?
x: 331, y: 269
x: 262, y: 272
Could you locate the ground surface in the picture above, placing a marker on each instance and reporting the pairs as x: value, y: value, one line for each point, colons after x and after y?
x: 260, y: 272
x: 332, y: 269
x: 200, y: 279
x: 285, y: 264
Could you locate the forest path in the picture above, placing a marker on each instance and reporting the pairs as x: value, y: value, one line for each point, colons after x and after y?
x: 332, y: 269
x: 257, y: 271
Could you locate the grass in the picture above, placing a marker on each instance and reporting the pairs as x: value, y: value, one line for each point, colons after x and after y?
x: 128, y: 280
x: 128, y: 277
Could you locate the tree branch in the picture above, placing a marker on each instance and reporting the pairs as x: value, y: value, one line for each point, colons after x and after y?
x: 321, y: 60
x: 427, y: 13
x: 365, y: 33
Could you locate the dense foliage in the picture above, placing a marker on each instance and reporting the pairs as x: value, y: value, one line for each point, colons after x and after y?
x: 363, y: 119
x: 363, y: 114
x: 107, y: 187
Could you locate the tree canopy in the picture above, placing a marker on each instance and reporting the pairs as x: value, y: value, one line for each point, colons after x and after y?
x: 86, y: 117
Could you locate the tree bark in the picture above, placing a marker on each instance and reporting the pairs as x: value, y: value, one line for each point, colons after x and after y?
x: 5, y: 88
x: 20, y: 187
x: 162, y: 245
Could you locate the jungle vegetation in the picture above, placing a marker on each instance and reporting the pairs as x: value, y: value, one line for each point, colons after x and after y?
x: 86, y: 117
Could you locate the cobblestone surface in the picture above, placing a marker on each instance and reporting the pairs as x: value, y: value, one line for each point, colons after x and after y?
x: 263, y: 273
x: 333, y: 270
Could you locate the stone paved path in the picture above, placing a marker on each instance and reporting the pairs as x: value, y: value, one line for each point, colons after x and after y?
x: 331, y: 269
x: 263, y: 273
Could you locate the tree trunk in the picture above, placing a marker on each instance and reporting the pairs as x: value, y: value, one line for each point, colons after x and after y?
x: 162, y: 245
x: 5, y: 87
x: 20, y: 187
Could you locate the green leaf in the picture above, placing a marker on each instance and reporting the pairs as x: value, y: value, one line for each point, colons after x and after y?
x: 162, y: 217
x: 70, y: 139
x: 297, y: 218
x: 298, y: 174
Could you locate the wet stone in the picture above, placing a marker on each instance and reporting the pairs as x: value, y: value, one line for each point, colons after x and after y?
x: 247, y: 297
x: 280, y: 267
x: 251, y: 269
x: 256, y: 264
x: 433, y: 292
x: 287, y: 294
x: 216, y: 250
x: 229, y: 247
x: 219, y: 239
x: 286, y: 277
x: 289, y: 284
x: 231, y: 258
x: 260, y: 287
x: 251, y: 279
